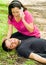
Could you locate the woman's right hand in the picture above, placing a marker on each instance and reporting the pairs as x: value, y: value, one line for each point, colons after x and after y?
x: 10, y: 31
x: 4, y: 38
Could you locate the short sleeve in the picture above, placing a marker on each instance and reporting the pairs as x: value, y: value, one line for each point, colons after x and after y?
x: 28, y: 17
x: 9, y: 21
x: 24, y: 52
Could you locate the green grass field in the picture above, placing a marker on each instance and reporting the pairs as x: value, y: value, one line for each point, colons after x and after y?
x: 10, y: 57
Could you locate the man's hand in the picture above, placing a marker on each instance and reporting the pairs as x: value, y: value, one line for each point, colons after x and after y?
x: 37, y: 58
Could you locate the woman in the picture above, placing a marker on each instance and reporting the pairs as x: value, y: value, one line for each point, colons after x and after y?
x: 30, y: 48
x: 24, y: 23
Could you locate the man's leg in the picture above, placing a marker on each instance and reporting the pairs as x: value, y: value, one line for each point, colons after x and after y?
x: 37, y: 58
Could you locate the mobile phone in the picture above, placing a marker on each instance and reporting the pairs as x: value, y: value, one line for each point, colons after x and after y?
x: 21, y: 12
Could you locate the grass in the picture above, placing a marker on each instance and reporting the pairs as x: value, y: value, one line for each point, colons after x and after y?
x: 10, y: 57
x: 5, y: 58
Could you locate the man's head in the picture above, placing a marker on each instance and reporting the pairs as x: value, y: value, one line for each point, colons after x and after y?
x: 10, y: 44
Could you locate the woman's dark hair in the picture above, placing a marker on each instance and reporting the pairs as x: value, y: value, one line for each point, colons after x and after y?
x: 13, y: 4
x: 5, y: 47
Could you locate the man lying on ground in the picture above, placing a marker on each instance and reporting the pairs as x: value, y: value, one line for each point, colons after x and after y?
x: 28, y: 48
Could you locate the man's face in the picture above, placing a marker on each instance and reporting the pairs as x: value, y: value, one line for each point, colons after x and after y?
x: 11, y: 43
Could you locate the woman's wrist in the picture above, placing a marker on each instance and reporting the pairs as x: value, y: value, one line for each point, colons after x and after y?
x: 23, y: 20
x: 8, y: 37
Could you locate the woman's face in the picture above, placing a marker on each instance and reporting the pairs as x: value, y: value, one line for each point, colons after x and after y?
x: 11, y: 43
x: 15, y: 12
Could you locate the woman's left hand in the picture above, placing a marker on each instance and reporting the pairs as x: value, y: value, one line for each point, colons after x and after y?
x: 22, y: 15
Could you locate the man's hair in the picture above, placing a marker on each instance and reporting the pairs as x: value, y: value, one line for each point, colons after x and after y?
x: 5, y: 47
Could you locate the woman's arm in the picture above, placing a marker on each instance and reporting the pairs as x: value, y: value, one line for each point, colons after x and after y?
x: 29, y: 27
x: 37, y: 58
x: 10, y: 31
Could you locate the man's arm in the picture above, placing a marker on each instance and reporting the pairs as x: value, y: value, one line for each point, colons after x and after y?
x: 37, y: 58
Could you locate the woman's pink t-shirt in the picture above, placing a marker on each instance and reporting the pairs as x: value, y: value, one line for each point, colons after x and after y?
x: 21, y: 27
